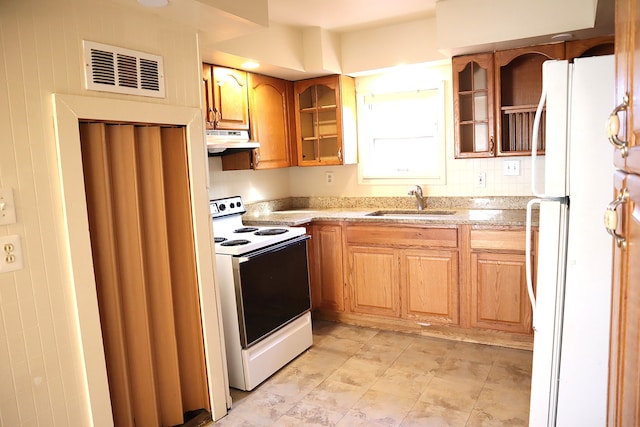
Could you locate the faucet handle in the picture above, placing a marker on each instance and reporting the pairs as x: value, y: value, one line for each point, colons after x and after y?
x: 415, y: 189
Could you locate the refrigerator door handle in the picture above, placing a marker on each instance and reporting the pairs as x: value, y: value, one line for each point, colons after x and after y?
x: 528, y: 266
x: 534, y: 142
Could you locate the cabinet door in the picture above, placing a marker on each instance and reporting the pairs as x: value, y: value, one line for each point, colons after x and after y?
x: 269, y: 106
x: 318, y: 121
x: 589, y: 47
x: 627, y: 33
x: 327, y: 283
x: 430, y: 285
x: 231, y: 109
x: 518, y: 86
x: 473, y: 96
x: 624, y: 358
x: 374, y: 280
x: 207, y: 89
x: 499, y: 292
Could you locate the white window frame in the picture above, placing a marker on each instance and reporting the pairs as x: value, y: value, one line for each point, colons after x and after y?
x: 366, y: 141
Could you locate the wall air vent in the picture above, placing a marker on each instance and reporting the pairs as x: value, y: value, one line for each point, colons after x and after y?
x: 119, y: 70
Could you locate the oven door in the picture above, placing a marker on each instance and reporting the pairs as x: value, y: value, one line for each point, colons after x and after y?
x: 272, y: 288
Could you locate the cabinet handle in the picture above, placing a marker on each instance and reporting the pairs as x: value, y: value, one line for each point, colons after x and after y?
x: 340, y: 154
x: 491, y: 144
x: 613, y: 127
x: 611, y: 218
x: 216, y: 117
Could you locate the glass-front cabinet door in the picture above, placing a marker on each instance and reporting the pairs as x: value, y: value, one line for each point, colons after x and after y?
x: 473, y: 105
x: 319, y: 122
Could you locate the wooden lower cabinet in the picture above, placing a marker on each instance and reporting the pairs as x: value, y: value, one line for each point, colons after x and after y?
x: 429, y: 284
x: 373, y: 276
x: 498, y: 296
x: 326, y: 270
x: 403, y: 272
x: 466, y: 279
x: 498, y: 292
x: 624, y: 356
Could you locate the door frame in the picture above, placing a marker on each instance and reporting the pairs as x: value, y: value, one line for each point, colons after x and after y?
x: 68, y: 110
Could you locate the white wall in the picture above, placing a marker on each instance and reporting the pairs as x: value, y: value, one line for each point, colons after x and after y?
x: 465, y: 23
x: 253, y: 186
x: 279, y: 45
x: 373, y: 49
x: 41, y: 376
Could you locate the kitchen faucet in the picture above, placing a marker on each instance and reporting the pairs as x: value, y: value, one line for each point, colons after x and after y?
x: 417, y: 191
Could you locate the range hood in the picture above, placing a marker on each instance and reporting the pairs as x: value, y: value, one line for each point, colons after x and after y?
x: 219, y: 141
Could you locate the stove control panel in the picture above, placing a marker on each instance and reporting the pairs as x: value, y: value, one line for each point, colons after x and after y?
x: 227, y: 206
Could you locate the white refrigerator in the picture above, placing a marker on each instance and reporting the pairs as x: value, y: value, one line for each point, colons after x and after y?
x: 571, y: 303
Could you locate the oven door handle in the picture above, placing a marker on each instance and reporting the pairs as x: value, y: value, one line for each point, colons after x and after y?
x: 276, y: 247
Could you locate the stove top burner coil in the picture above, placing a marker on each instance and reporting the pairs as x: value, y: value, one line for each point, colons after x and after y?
x: 270, y: 231
x: 245, y: 230
x: 219, y: 239
x: 238, y: 242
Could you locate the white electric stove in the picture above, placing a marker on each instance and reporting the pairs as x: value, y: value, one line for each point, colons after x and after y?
x: 232, y: 237
x: 263, y: 279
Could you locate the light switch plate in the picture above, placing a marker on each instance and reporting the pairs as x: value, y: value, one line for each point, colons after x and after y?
x: 7, y: 207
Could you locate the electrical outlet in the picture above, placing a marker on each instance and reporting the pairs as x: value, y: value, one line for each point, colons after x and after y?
x: 511, y: 167
x: 481, y: 180
x: 328, y: 178
x: 10, y: 254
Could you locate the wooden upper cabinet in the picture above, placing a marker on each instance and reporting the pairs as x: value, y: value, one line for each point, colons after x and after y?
x: 236, y: 100
x: 627, y: 128
x: 518, y: 83
x: 502, y: 123
x: 596, y: 46
x: 473, y: 96
x: 207, y: 79
x: 226, y: 98
x: 270, y: 107
x: 325, y: 121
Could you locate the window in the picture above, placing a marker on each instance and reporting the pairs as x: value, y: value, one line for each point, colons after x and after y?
x: 402, y: 136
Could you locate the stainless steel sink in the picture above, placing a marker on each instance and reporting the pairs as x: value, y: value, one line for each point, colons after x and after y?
x: 411, y: 213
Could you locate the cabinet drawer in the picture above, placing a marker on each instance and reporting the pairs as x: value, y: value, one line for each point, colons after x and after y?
x: 402, y: 236
x: 505, y: 240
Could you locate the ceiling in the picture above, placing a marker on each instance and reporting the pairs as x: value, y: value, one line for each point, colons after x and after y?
x: 228, y: 45
x: 342, y: 15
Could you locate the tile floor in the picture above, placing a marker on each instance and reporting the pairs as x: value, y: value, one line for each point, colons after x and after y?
x: 355, y: 376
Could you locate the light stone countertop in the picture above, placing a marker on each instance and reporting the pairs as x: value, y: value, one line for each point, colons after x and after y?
x: 295, y: 217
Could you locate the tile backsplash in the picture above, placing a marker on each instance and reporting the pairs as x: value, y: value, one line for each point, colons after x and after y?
x: 256, y: 186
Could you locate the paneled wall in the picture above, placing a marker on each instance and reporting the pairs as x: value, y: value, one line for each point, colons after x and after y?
x: 41, y: 377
